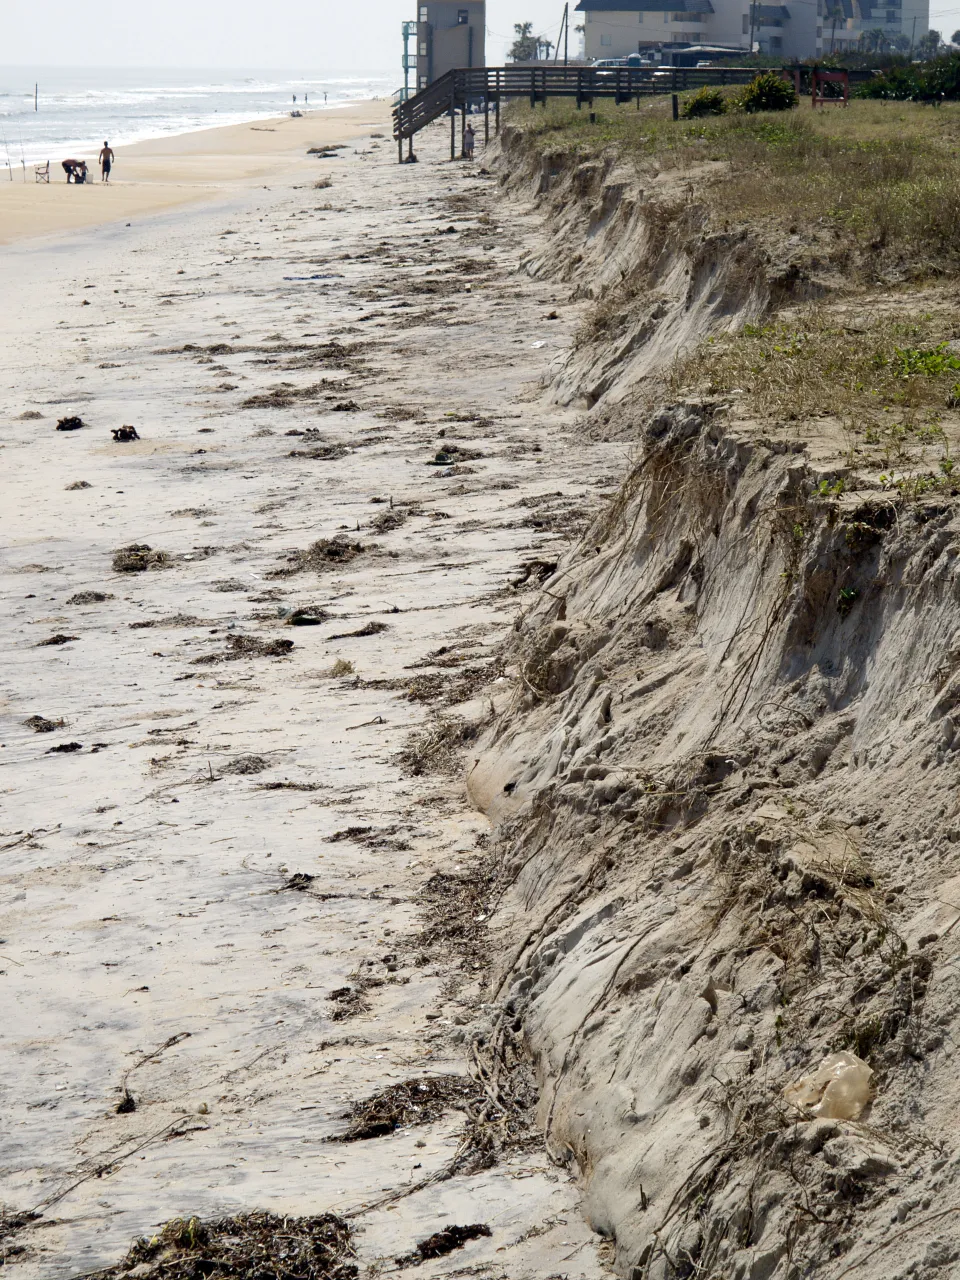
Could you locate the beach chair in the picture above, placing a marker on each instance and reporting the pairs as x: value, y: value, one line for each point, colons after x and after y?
x: 41, y: 172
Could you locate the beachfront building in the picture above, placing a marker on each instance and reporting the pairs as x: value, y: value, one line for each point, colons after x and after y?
x: 795, y: 29
x: 847, y: 24
x: 450, y: 34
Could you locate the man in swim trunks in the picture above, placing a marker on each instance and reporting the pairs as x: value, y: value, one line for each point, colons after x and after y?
x: 106, y: 162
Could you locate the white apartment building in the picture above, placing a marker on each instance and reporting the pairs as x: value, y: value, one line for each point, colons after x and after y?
x: 795, y: 29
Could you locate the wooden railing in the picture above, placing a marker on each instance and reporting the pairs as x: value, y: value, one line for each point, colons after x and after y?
x: 490, y: 85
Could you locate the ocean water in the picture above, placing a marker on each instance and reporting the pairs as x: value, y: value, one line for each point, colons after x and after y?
x: 78, y: 109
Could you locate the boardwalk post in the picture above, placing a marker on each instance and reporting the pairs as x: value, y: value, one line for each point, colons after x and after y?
x: 486, y: 120
x: 400, y: 150
x: 453, y: 125
x: 498, y: 107
x: 410, y: 147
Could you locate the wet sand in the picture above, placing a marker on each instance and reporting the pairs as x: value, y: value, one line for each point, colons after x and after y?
x: 294, y: 363
x: 164, y: 173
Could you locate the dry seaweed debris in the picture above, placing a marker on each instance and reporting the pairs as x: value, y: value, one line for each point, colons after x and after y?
x: 368, y: 629
x: 247, y: 1246
x: 40, y: 724
x: 321, y: 453
x: 246, y: 647
x: 386, y: 521
x: 453, y: 687
x: 90, y: 597
x: 443, y: 1242
x: 12, y: 1221
x: 416, y: 1101
x: 138, y: 557
x: 286, y: 785
x: 59, y: 638
x: 350, y: 1001
x: 171, y: 620
x: 436, y: 747
x: 246, y: 764
x: 285, y: 394
x: 325, y: 553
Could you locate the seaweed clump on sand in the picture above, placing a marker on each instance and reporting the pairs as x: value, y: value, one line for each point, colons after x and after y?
x: 40, y: 724
x: 444, y: 1242
x: 251, y: 1244
x: 90, y: 597
x: 437, y: 747
x: 246, y: 647
x: 412, y: 1102
x: 138, y: 557
x: 325, y: 553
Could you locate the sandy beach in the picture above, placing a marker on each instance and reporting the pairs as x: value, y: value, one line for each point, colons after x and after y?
x: 165, y: 173
x: 224, y: 859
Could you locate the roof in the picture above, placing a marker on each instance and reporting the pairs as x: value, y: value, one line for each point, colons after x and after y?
x: 645, y: 6
x: 776, y: 12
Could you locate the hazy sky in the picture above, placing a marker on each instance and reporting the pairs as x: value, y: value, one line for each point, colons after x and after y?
x: 294, y: 34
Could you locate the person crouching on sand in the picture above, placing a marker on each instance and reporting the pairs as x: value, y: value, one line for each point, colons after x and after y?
x: 469, y: 138
x: 106, y: 162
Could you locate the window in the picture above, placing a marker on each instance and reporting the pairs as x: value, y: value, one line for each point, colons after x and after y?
x: 746, y: 25
x: 423, y: 48
x: 424, y: 13
x: 606, y: 41
x: 423, y: 82
x: 892, y: 15
x: 666, y: 17
x: 463, y: 17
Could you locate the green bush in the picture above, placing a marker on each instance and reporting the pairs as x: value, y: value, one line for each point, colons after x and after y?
x: 705, y: 102
x: 929, y: 82
x: 766, y: 92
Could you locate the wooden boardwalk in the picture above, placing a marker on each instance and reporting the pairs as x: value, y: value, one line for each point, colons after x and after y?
x: 489, y: 86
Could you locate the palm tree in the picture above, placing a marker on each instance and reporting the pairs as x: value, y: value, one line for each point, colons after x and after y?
x: 875, y: 40
x: 834, y: 14
x: 524, y: 48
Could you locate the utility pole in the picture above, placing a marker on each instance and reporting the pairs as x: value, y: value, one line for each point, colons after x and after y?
x: 913, y: 34
x: 36, y: 95
x: 753, y: 14
x: 564, y: 33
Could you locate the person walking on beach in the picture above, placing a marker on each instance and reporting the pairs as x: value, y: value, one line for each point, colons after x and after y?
x: 106, y: 162
x: 469, y: 138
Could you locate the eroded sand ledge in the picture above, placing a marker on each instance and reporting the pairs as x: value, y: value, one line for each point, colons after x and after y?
x: 147, y: 882
x: 725, y: 788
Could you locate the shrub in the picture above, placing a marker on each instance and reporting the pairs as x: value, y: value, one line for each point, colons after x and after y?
x: 705, y: 102
x: 937, y: 79
x: 766, y: 92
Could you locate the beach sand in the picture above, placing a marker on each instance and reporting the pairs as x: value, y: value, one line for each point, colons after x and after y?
x: 211, y: 838
x: 161, y: 174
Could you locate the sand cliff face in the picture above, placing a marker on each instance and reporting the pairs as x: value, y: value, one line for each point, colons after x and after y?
x: 727, y: 811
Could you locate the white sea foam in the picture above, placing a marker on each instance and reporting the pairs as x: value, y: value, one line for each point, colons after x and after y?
x: 79, y: 108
